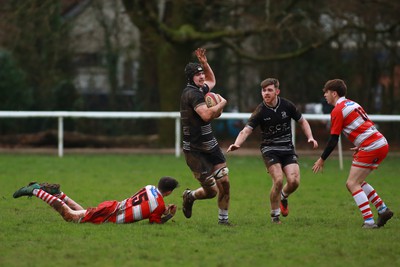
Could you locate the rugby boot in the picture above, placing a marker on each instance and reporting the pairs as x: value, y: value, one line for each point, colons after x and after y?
x: 284, y: 206
x: 276, y: 220
x: 369, y: 226
x: 384, y: 217
x: 187, y: 203
x: 26, y: 190
x: 52, y: 189
x: 225, y: 223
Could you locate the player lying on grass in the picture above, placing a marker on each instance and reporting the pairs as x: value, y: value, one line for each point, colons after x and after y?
x: 147, y: 203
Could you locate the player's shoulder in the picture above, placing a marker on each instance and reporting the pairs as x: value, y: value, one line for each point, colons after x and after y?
x: 284, y: 102
x: 192, y: 93
x: 260, y: 108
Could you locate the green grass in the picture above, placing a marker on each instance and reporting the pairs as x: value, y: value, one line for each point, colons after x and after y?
x: 323, y: 228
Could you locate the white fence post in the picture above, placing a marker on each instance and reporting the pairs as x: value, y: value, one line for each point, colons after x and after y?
x: 60, y: 137
x: 340, y: 150
x: 177, y: 137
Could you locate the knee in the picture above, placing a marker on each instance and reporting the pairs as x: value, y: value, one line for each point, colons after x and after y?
x: 211, y: 193
x: 278, y: 184
x: 294, y: 183
x: 224, y: 184
x: 68, y: 217
x: 71, y: 216
x: 350, y: 185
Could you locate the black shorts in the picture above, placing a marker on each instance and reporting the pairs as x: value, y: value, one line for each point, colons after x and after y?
x: 284, y: 158
x: 202, y: 163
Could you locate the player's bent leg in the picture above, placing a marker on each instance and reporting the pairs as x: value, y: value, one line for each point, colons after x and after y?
x: 354, y: 181
x: 207, y: 190
x: 220, y: 174
x: 223, y: 192
x: 292, y: 172
x: 223, y: 201
x: 277, y: 184
x: 356, y: 178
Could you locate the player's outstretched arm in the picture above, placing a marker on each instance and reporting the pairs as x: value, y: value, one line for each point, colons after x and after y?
x: 242, y: 136
x: 318, y: 165
x: 305, y: 126
x: 170, y: 211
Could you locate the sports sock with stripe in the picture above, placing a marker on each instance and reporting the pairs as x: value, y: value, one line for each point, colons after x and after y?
x: 362, y: 202
x: 373, y: 197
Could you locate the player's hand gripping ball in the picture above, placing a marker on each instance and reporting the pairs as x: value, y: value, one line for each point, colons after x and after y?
x: 212, y: 99
x: 171, y: 209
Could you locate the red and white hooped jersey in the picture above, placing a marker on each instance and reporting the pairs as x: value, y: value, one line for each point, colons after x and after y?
x: 351, y: 119
x: 147, y: 203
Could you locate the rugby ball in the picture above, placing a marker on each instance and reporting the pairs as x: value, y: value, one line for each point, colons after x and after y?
x: 212, y: 99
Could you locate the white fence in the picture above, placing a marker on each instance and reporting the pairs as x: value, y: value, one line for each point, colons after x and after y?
x: 60, y: 115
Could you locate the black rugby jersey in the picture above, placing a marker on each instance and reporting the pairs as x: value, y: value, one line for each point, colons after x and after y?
x: 197, y: 134
x: 275, y: 124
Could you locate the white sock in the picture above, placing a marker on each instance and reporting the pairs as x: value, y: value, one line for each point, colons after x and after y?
x: 275, y: 213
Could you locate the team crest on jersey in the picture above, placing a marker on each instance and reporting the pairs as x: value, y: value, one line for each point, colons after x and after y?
x: 284, y: 115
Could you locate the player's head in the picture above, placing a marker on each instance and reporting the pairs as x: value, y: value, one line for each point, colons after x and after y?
x: 166, y: 184
x: 337, y: 86
x: 191, y: 69
x: 270, y: 81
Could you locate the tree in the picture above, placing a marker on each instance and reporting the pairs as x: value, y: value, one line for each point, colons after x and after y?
x: 38, y: 41
x: 265, y: 32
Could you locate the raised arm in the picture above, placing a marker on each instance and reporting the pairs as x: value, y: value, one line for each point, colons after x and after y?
x: 208, y: 72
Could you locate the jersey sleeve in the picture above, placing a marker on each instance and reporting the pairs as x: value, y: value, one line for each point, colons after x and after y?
x: 205, y: 89
x: 197, y: 96
x: 294, y: 111
x: 254, y: 119
x: 336, y: 121
x: 155, y: 216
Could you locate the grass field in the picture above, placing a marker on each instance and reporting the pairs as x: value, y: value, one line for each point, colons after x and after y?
x: 323, y: 228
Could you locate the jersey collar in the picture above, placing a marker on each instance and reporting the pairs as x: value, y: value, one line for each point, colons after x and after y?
x: 277, y: 104
x: 340, y: 100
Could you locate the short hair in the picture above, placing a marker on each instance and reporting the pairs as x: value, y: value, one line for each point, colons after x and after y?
x: 166, y: 184
x: 270, y: 81
x: 337, y: 85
